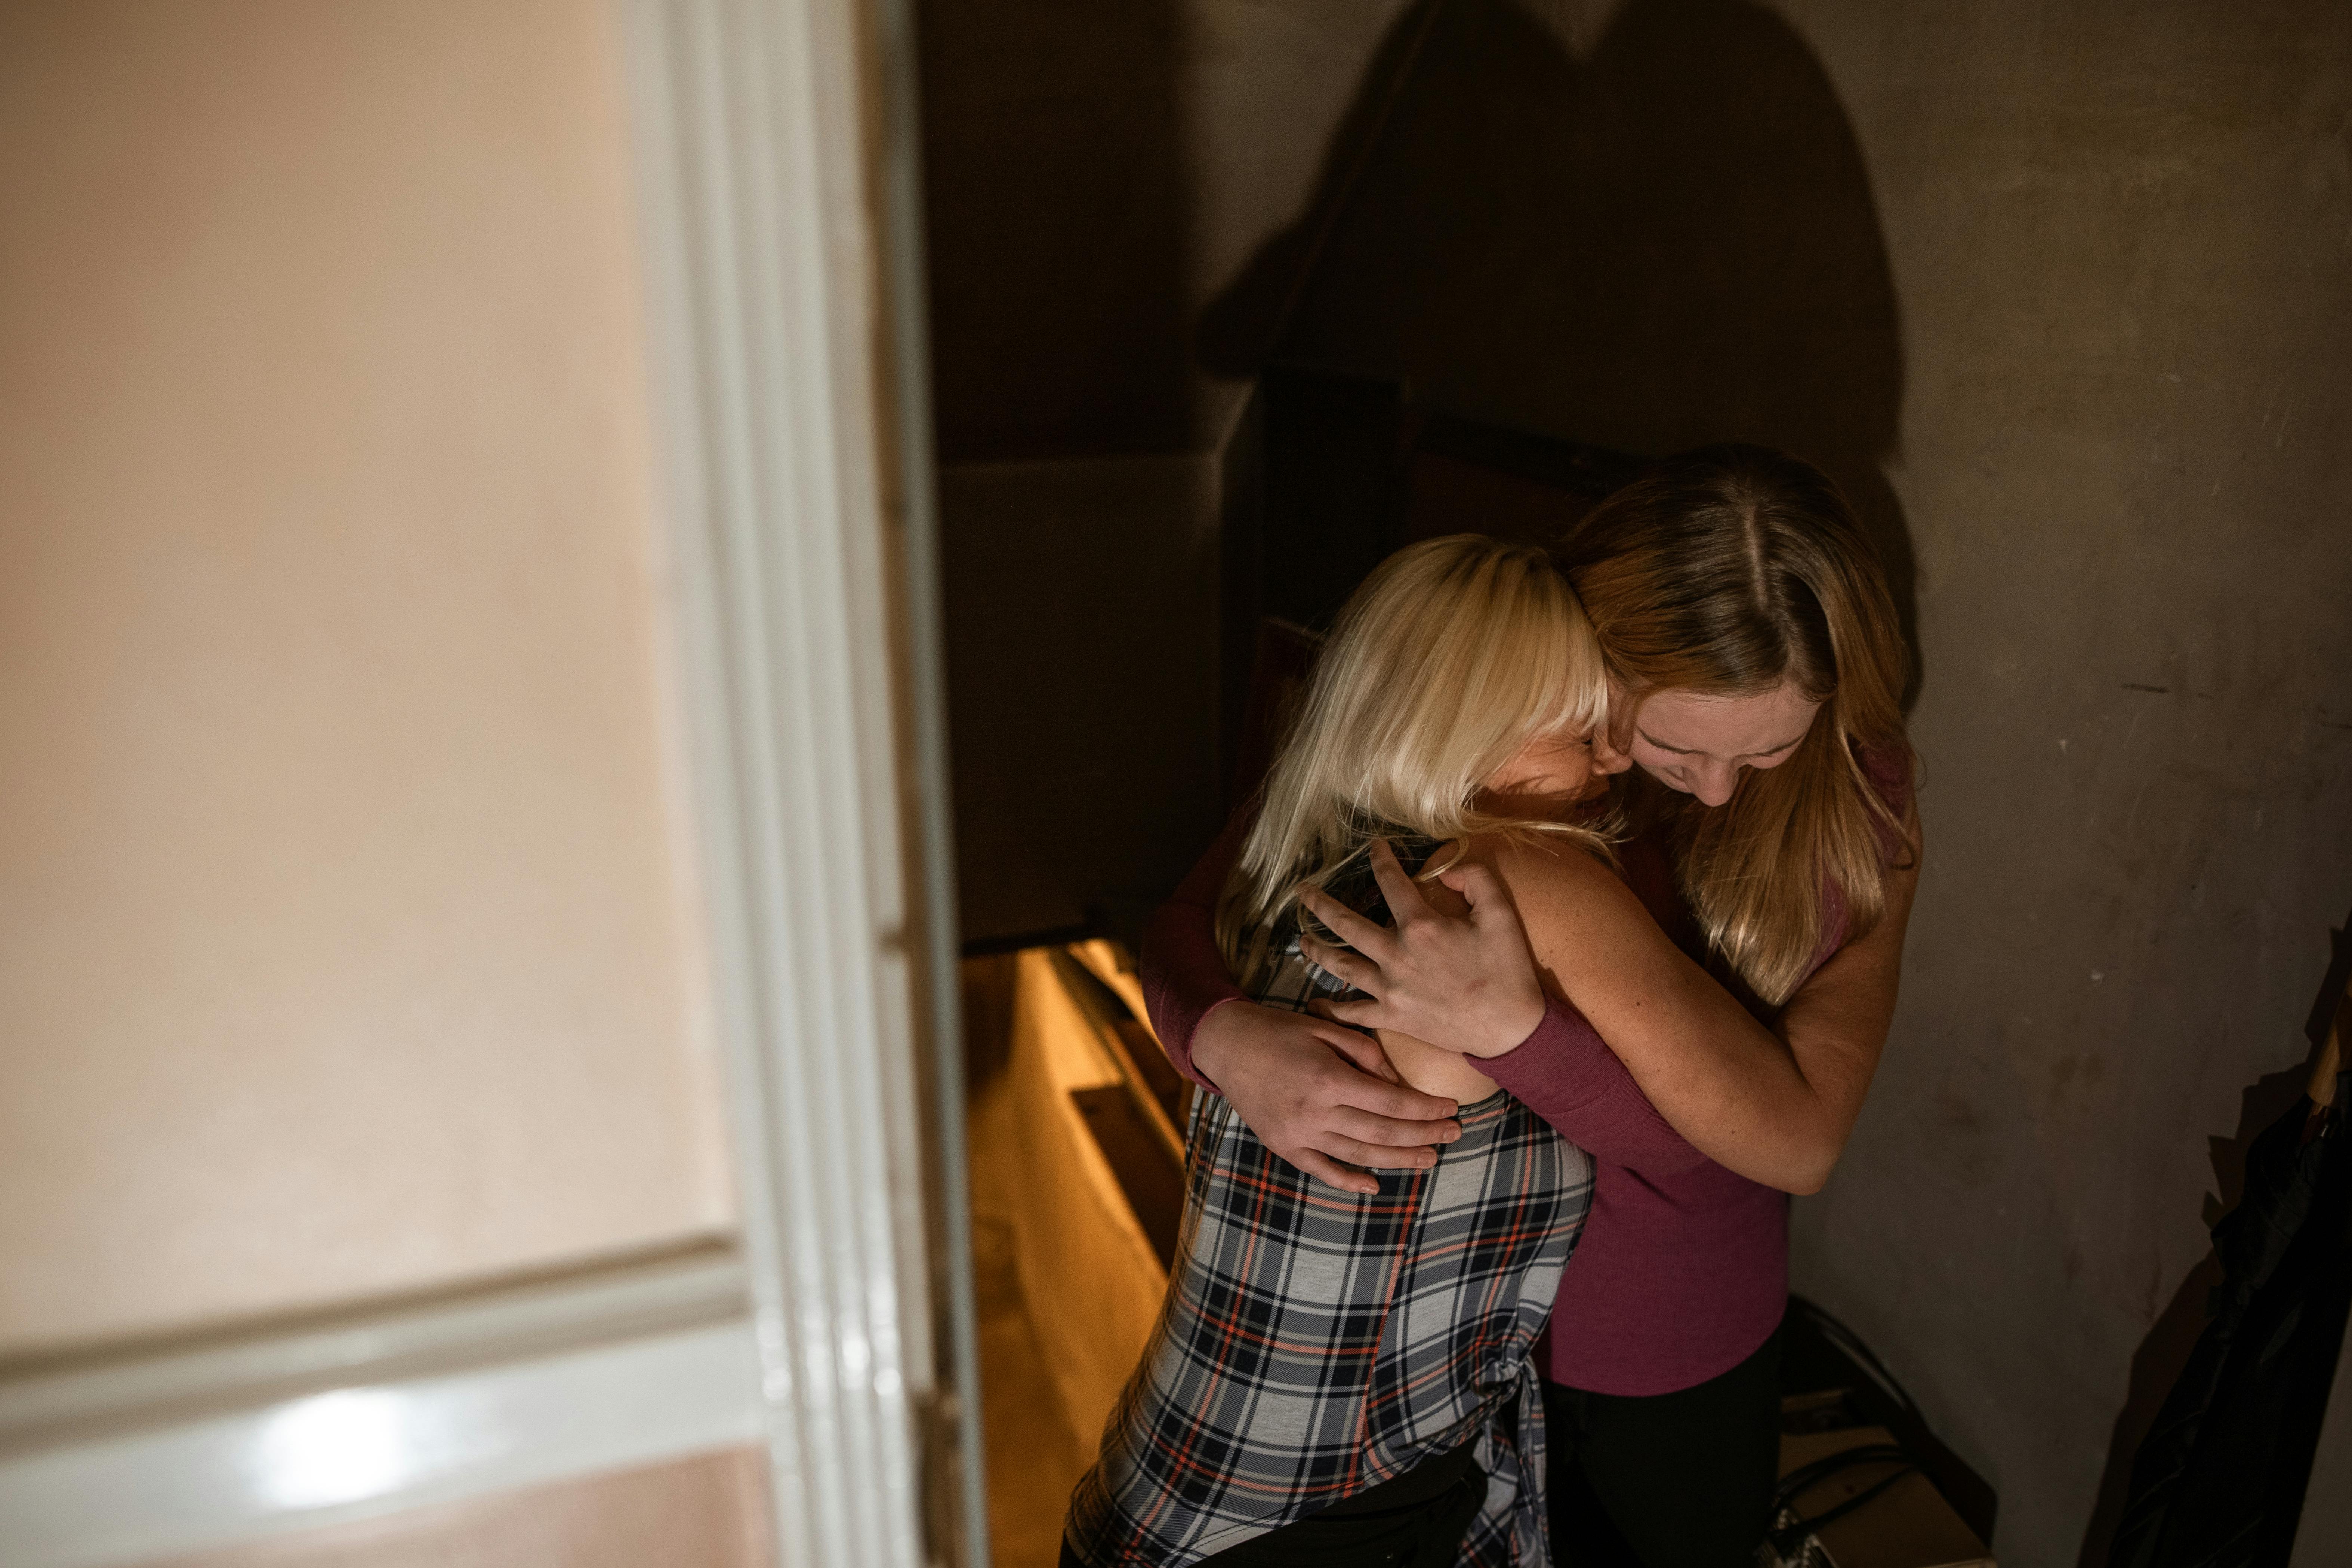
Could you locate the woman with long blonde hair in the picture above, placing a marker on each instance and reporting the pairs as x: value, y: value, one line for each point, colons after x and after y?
x: 1712, y: 1062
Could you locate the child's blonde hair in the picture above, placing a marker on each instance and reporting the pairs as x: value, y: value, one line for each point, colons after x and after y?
x: 1453, y: 655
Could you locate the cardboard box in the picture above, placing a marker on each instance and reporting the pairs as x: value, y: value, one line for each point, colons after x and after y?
x: 1909, y: 1525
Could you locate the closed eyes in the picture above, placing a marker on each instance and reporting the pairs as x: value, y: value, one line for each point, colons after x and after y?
x: 1681, y: 752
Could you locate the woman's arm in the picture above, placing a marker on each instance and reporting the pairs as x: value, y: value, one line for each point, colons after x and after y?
x: 1183, y: 975
x: 1536, y: 1044
x: 1775, y: 1106
x: 1567, y: 1074
x: 1320, y: 1095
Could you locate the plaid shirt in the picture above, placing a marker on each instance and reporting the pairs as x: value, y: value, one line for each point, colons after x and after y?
x: 1315, y: 1343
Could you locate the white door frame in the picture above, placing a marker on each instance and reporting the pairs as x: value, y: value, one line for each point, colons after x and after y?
x: 778, y: 170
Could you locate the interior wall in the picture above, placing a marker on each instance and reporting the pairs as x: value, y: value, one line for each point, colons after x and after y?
x: 1094, y: 176
x: 1081, y: 700
x: 353, y: 951
x: 2119, y: 235
x: 710, y: 1510
x: 2063, y: 297
x: 1644, y: 227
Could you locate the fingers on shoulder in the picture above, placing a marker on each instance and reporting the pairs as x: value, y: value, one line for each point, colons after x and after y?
x: 1475, y: 887
x: 1344, y: 922
x: 1405, y: 898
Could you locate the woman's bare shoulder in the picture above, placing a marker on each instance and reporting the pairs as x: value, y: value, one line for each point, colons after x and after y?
x: 1538, y: 867
x: 1570, y: 899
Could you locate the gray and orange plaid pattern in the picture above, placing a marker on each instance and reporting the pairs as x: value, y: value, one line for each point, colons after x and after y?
x: 1315, y: 1343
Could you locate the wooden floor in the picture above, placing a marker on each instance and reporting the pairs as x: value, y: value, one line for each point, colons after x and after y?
x: 1034, y: 1457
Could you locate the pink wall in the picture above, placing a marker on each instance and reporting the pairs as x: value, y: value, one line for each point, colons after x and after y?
x: 347, y: 948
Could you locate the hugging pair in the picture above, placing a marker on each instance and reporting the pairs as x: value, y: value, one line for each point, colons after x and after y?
x: 1614, y: 846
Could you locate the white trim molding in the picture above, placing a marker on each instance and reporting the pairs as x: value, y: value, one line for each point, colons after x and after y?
x: 351, y: 1453
x: 72, y: 1399
x: 156, y: 1451
x: 774, y: 169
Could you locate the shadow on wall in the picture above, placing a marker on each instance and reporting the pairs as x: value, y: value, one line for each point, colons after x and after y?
x: 1076, y: 535
x: 1668, y: 242
x: 1057, y: 224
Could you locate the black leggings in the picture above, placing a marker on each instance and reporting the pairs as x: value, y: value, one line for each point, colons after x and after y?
x: 1414, y: 1520
x: 1667, y: 1480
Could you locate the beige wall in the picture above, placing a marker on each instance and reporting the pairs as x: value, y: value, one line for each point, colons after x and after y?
x: 346, y: 948
x: 708, y: 1512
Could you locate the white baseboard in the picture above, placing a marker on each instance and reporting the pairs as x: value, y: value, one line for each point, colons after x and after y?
x: 174, y: 1450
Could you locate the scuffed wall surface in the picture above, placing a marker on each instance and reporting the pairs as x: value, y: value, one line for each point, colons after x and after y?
x: 2119, y: 235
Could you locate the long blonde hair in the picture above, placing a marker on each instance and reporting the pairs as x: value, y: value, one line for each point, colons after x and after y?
x: 1732, y: 571
x: 1453, y: 655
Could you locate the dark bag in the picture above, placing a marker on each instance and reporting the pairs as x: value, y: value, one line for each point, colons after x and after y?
x: 2219, y: 1482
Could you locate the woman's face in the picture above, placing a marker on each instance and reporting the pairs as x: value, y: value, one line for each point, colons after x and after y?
x: 1698, y: 743
x: 1549, y: 774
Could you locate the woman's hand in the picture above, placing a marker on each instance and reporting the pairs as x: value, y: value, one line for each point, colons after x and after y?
x: 1463, y: 983
x: 1319, y: 1094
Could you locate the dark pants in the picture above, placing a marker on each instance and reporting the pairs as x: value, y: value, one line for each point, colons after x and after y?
x: 1416, y: 1520
x: 1666, y: 1480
